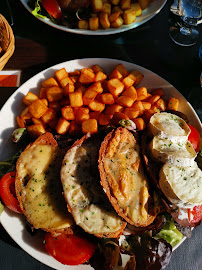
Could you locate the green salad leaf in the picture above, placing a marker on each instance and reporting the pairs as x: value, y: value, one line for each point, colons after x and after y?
x: 169, y: 232
x: 37, y: 12
x: 8, y: 165
x: 1, y: 208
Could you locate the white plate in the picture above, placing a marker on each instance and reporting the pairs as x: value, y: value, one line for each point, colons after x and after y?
x: 15, y: 224
x: 153, y: 9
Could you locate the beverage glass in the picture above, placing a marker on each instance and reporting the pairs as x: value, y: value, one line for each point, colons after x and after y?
x: 185, y: 32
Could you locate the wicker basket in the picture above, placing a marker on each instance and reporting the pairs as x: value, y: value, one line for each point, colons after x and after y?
x: 6, y: 30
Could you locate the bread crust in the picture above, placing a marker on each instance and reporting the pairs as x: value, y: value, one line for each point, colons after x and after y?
x: 45, y: 139
x: 121, y: 134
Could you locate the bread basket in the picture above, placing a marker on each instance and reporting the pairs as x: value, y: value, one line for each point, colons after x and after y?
x: 7, y: 41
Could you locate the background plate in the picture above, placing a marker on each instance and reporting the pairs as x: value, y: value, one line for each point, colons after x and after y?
x: 147, y: 14
x: 13, y: 223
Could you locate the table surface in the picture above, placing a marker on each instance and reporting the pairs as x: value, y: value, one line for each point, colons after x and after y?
x: 38, y: 46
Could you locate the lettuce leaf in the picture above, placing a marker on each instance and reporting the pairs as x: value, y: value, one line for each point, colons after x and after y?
x: 1, y: 208
x: 169, y: 232
x: 37, y: 12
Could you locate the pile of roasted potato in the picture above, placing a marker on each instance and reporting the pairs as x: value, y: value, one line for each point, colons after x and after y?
x: 79, y: 102
x: 113, y: 13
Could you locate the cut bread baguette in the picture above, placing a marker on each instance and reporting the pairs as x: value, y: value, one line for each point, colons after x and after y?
x: 83, y: 193
x: 123, y: 178
x: 38, y: 186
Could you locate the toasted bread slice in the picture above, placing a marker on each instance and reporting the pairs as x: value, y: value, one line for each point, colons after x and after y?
x: 38, y: 186
x: 123, y: 178
x: 83, y: 193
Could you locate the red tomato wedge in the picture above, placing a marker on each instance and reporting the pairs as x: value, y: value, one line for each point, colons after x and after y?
x: 69, y: 249
x: 194, y: 138
x: 195, y: 214
x: 53, y: 8
x: 7, y: 192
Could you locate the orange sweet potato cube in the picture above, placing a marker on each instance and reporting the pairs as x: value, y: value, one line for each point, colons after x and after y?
x: 138, y: 75
x: 107, y: 98
x: 54, y: 93
x: 49, y: 115
x: 62, y: 126
x: 42, y: 93
x: 95, y: 115
x: 36, y: 130
x: 117, y: 117
x: 104, y: 119
x: 89, y: 96
x: 125, y: 101
x: 97, y: 68
x: 67, y: 113
x: 100, y: 76
x: 131, y: 113
x: 115, y: 87
x: 130, y: 92
x: 161, y: 104
x: 20, y: 122
x: 89, y: 126
x: 111, y: 109
x: 37, y: 108
x: 75, y: 129
x: 140, y: 123
x: 129, y: 80
x: 173, y: 104
x: 97, y: 86
x: 69, y: 88
x: 29, y: 98
x: 115, y: 74
x: 122, y: 70
x: 49, y: 82
x: 65, y: 81
x: 61, y: 74
x: 158, y: 92
x: 141, y: 93
x: 76, y: 99
x: 87, y: 76
x: 97, y: 106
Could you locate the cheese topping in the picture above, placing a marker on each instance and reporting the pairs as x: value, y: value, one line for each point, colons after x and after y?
x: 82, y: 190
x: 182, y: 186
x: 39, y: 170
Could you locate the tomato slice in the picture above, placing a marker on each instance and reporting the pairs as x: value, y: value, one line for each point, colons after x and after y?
x: 195, y: 214
x: 194, y: 138
x: 53, y: 8
x: 69, y: 249
x: 7, y: 192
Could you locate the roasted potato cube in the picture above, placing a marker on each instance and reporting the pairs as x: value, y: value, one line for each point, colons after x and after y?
x: 76, y: 99
x: 158, y: 92
x: 37, y: 108
x: 173, y: 104
x: 74, y: 129
x: 89, y: 126
x: 140, y: 123
x: 87, y: 76
x: 117, y: 23
x: 42, y: 93
x: 38, y: 121
x: 124, y: 101
x: 147, y: 115
x: 128, y: 80
x: 107, y: 98
x: 107, y: 8
x: 130, y: 92
x: 124, y: 72
x: 54, y: 93
x: 95, y: 115
x: 74, y: 73
x: 97, y: 106
x: 97, y: 86
x: 153, y: 99
x: 74, y: 78
x: 100, y: 76
x: 129, y: 16
x: 52, y: 124
x: 155, y: 108
x: 125, y: 4
x: 113, y: 108
x: 49, y: 82
x: 69, y: 88
x: 138, y: 75
x: 115, y: 2
x: 146, y: 105
x: 161, y: 104
x: 97, y: 5
x: 143, y: 3
x: 82, y: 115
x: 97, y: 68
x: 104, y: 20
x: 64, y: 102
x: 89, y: 96
x: 117, y: 9
x: 61, y: 74
x: 117, y: 117
x: 104, y: 119
x: 94, y: 23
x: 36, y: 130
x: 26, y: 115
x: 83, y: 24
x: 45, y: 101
x: 81, y: 89
x: 49, y: 115
x: 138, y: 106
x: 141, y: 93
x: 115, y: 87
x: 131, y: 113
x: 137, y: 8
x: 62, y: 126
x: 114, y: 16
x: 20, y: 122
x: 29, y: 98
x: 67, y: 113
x: 115, y: 74
x: 65, y: 81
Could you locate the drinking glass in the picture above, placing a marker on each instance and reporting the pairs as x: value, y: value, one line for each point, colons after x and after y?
x: 185, y: 32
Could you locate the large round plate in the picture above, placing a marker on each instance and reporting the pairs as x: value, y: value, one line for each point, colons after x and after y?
x: 15, y: 224
x: 153, y: 9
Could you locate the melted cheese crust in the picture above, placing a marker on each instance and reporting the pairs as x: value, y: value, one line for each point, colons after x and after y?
x: 82, y: 190
x: 44, y: 205
x: 126, y: 178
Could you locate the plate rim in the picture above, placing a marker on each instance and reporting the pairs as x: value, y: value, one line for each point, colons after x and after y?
x: 93, y: 60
